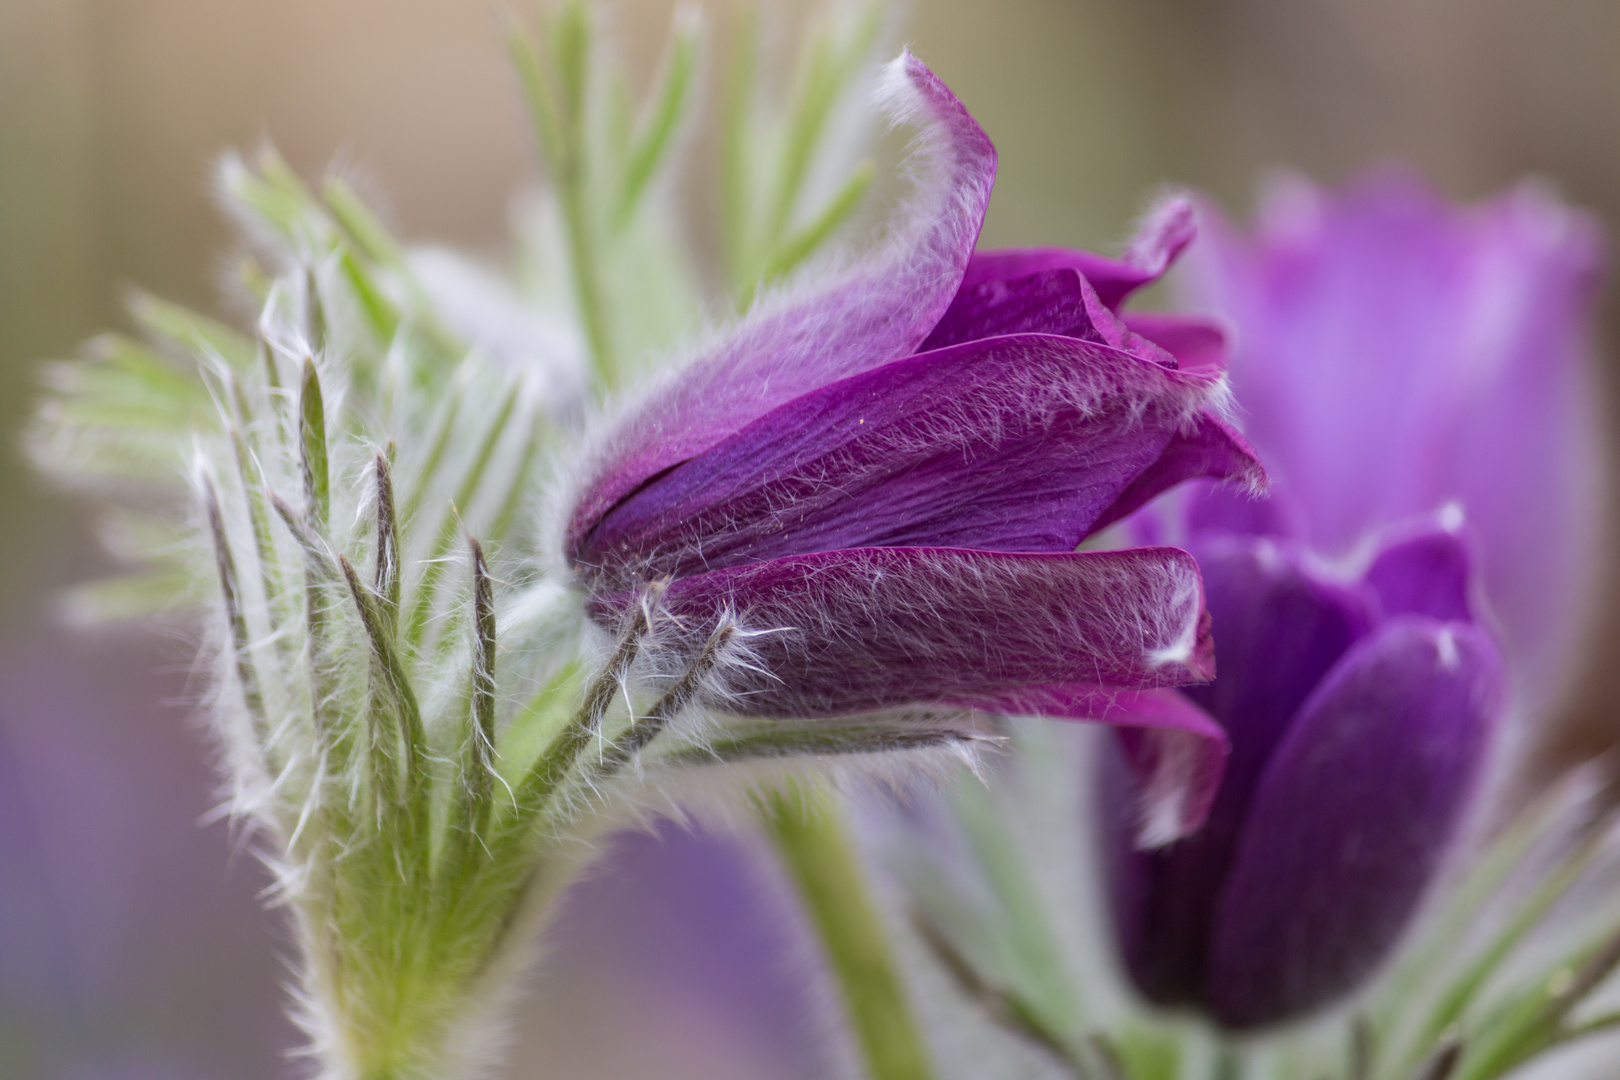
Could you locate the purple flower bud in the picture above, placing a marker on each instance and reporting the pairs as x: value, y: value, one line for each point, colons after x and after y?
x: 886, y: 477
x: 1360, y: 711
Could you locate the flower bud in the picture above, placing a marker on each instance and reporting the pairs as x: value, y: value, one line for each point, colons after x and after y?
x: 885, y: 480
x: 1360, y: 713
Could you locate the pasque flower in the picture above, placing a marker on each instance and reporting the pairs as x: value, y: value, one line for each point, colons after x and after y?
x: 1360, y: 709
x: 1406, y: 366
x: 1394, y: 354
x: 886, y: 478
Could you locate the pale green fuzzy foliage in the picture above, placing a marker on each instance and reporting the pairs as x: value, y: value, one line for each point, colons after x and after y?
x: 413, y: 712
x: 1514, y: 958
x: 356, y: 748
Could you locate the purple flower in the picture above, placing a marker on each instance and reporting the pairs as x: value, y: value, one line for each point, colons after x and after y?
x: 1360, y: 709
x: 891, y: 474
x: 1395, y: 354
x: 1405, y: 365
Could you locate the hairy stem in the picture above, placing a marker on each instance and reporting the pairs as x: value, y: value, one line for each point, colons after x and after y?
x: 807, y: 827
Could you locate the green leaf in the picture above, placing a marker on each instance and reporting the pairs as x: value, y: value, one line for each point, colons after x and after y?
x: 537, y: 89
x: 799, y: 246
x: 826, y: 72
x: 1148, y: 1052
x: 467, y: 490
x: 381, y: 314
x: 656, y: 131
x: 809, y: 833
x: 312, y: 457
x: 538, y: 724
x: 777, y: 740
x: 364, y: 227
x: 192, y: 331
x: 1037, y: 971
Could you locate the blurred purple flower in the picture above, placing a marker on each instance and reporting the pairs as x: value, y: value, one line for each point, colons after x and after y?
x: 1402, y: 362
x: 894, y: 472
x: 1360, y: 711
x: 1395, y: 354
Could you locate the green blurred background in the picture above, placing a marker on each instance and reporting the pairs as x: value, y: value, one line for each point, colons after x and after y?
x: 131, y: 944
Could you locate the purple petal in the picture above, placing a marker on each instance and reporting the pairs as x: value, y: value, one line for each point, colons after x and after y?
x: 881, y: 310
x: 1194, y: 342
x: 1355, y: 812
x: 1166, y: 231
x: 1224, y: 508
x: 1278, y: 631
x: 1008, y: 444
x: 1425, y: 572
x: 842, y: 632
x: 1055, y: 301
x: 1213, y: 448
x: 1395, y: 353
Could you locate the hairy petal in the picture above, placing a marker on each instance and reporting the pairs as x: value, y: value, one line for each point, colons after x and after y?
x: 1356, y: 810
x: 880, y: 310
x: 840, y: 632
x: 1212, y: 449
x: 1023, y: 443
x: 1056, y: 301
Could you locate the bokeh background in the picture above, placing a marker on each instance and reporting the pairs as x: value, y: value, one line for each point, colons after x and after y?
x: 132, y: 946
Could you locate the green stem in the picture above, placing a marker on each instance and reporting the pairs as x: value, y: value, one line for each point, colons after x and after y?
x: 807, y: 826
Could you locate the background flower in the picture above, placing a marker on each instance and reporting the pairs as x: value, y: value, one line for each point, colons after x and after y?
x: 1394, y: 354
x: 1360, y: 709
x: 1398, y: 357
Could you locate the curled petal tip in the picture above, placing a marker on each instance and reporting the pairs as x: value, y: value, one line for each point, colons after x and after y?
x: 1164, y: 233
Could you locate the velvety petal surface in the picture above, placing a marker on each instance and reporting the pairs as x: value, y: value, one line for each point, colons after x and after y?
x: 1279, y: 629
x: 1223, y: 508
x: 1355, y: 810
x: 882, y: 309
x: 1165, y: 232
x: 1426, y: 570
x: 1021, y: 443
x: 841, y: 632
x: 1055, y: 301
x: 1194, y: 342
x: 1394, y: 353
x: 1211, y: 449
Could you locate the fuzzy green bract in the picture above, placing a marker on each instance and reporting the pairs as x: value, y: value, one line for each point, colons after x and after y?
x: 348, y: 495
x: 391, y: 716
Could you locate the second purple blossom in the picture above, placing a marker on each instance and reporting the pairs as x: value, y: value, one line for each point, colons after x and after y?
x: 1414, y: 373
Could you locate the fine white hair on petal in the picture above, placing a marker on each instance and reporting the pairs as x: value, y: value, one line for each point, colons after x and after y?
x: 1183, y: 611
x: 822, y: 327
